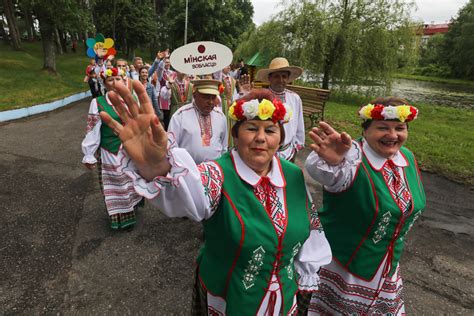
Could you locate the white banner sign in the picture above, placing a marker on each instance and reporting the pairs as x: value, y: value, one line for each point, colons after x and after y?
x: 201, y: 58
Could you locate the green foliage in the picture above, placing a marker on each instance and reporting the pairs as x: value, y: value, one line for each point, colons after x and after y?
x: 70, y: 15
x: 459, y: 44
x: 268, y: 37
x: 220, y: 21
x: 345, y: 41
x: 434, y: 70
x: 432, y: 52
x: 133, y: 23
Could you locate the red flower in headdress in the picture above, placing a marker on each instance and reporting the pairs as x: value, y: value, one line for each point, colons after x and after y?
x: 239, y: 111
x: 413, y: 114
x: 280, y: 111
x: 377, y: 112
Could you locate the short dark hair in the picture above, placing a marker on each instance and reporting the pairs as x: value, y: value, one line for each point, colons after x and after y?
x: 385, y: 101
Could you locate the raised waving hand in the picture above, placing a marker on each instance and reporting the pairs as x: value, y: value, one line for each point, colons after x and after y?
x: 142, y: 134
x: 329, y: 144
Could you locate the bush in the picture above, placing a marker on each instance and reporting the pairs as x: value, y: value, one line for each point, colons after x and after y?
x: 433, y: 70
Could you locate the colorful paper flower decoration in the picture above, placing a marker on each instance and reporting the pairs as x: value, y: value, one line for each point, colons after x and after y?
x: 402, y: 113
x: 100, y: 47
x: 265, y: 110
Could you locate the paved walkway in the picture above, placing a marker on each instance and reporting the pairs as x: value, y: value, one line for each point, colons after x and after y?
x: 58, y: 255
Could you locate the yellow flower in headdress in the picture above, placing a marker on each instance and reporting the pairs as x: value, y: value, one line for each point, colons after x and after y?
x: 231, y: 112
x: 108, y: 72
x: 366, y: 112
x: 403, y: 112
x: 265, y: 110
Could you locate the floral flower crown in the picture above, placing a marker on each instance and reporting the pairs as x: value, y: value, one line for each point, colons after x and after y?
x: 402, y: 113
x: 274, y: 110
x: 112, y: 72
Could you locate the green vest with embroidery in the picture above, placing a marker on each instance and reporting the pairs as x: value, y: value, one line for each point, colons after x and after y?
x: 108, y: 140
x: 364, y: 223
x: 241, y: 245
x: 176, y: 101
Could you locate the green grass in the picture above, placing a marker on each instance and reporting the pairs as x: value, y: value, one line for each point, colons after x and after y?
x: 441, y: 138
x: 23, y: 83
x: 433, y: 79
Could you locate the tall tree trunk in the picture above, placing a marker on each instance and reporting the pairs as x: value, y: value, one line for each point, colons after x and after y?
x: 11, y: 20
x: 63, y: 40
x: 339, y: 47
x: 27, y: 15
x: 57, y: 42
x: 47, y: 37
x: 2, y: 31
x: 49, y: 51
x: 30, y: 29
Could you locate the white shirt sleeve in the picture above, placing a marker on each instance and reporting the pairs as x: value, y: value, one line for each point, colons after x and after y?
x: 91, y: 141
x: 300, y: 130
x: 335, y: 178
x: 181, y: 192
x: 175, y: 129
x: 314, y: 253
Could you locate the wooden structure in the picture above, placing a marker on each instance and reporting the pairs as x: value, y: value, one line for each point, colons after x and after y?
x: 314, y: 100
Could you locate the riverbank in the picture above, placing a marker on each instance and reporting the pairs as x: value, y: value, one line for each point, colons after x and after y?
x: 433, y: 79
x: 439, y: 138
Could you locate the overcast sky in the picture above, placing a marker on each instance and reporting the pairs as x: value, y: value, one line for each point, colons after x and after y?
x: 438, y: 11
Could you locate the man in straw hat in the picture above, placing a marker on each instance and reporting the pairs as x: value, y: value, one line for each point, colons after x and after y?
x: 200, y: 127
x: 278, y: 75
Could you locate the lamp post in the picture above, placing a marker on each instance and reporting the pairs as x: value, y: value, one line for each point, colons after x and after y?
x: 186, y: 25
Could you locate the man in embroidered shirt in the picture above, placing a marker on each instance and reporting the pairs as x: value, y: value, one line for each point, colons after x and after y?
x: 200, y: 127
x: 177, y: 92
x: 278, y: 75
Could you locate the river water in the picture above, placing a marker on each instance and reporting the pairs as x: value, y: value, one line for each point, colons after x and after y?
x: 443, y: 94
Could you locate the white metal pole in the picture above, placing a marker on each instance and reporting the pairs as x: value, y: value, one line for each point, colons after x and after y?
x: 186, y: 25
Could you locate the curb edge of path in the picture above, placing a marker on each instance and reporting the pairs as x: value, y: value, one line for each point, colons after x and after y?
x: 41, y: 108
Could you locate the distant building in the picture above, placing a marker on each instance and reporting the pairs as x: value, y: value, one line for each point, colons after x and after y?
x: 433, y: 29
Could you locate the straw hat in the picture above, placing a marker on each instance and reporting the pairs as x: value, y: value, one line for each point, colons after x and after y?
x: 279, y: 64
x: 206, y: 86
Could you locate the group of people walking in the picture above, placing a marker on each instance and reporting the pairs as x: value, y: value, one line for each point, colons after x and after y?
x: 226, y: 160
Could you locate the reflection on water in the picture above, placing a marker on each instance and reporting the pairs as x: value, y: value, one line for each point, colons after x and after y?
x: 434, y: 93
x: 415, y: 91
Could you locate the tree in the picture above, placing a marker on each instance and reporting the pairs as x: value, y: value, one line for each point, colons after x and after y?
x: 270, y: 44
x: 133, y: 22
x: 9, y: 10
x: 459, y: 43
x: 220, y: 21
x: 67, y: 15
x: 346, y: 41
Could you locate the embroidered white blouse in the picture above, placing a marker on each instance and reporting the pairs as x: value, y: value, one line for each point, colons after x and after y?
x: 205, y: 138
x: 338, y: 178
x: 195, y: 191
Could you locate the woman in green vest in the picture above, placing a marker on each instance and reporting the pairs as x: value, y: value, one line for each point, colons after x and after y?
x: 372, y: 196
x: 263, y: 240
x: 100, y: 147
